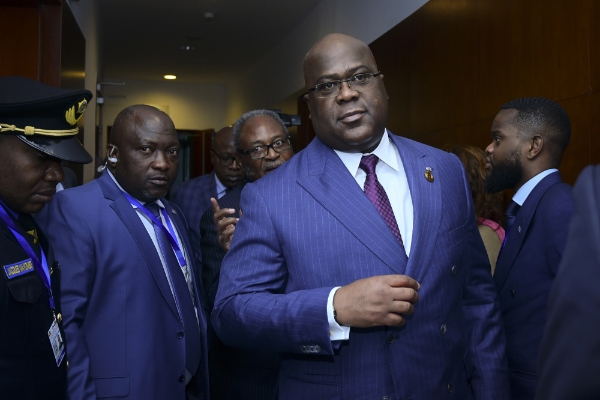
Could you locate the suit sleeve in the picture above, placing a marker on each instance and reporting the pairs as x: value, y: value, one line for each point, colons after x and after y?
x: 71, y: 239
x: 252, y: 309
x: 569, y: 358
x: 486, y: 359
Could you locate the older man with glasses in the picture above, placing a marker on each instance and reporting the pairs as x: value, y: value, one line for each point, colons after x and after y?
x: 263, y: 144
x: 193, y: 196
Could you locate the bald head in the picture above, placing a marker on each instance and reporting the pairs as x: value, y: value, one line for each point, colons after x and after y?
x: 222, y: 134
x: 225, y: 159
x: 145, y: 152
x: 132, y: 118
x: 330, y: 48
x: 351, y: 119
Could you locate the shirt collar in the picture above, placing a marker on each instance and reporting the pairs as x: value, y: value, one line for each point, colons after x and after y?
x: 220, y: 187
x: 160, y: 204
x: 384, y: 151
x: 524, y: 190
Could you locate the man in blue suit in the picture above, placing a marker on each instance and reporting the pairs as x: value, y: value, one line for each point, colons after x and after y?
x: 264, y: 145
x: 529, y: 137
x: 328, y: 274
x: 193, y: 196
x: 133, y: 318
x: 569, y: 358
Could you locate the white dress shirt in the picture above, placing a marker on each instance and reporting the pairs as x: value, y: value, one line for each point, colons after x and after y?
x: 524, y: 190
x: 391, y: 175
x: 221, y: 189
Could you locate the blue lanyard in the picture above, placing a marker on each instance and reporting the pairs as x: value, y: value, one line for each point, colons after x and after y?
x: 40, y: 267
x: 169, y: 233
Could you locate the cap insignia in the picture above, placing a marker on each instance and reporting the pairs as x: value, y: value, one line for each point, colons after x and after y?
x: 73, y: 116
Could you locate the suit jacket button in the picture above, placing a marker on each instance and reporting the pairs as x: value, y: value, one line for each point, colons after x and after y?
x: 181, y: 378
x: 59, y: 318
x: 443, y: 329
x: 180, y: 335
x: 68, y: 364
x: 390, y: 339
x: 450, y: 388
x: 512, y: 293
x: 317, y: 349
x: 304, y: 349
x: 454, y: 270
x: 386, y: 398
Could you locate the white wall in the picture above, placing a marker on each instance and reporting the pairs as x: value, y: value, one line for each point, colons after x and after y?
x: 85, y: 15
x: 190, y: 105
x: 279, y: 73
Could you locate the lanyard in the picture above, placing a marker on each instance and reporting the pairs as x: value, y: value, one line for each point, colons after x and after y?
x: 40, y: 267
x: 170, y: 234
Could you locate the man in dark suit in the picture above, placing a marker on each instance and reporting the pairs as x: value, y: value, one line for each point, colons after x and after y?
x: 326, y: 260
x: 529, y: 137
x: 193, y: 196
x: 569, y: 360
x: 134, y: 320
x: 37, y: 131
x: 264, y: 144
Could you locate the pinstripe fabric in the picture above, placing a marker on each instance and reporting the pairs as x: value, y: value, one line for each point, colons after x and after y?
x: 234, y: 373
x: 193, y: 197
x: 308, y: 227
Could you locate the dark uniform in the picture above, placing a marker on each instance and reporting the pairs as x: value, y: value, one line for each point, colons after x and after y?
x: 33, y: 361
x: 27, y: 365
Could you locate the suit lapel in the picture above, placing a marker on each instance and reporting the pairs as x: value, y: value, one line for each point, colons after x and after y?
x: 131, y: 220
x: 518, y: 232
x: 330, y: 183
x: 426, y: 200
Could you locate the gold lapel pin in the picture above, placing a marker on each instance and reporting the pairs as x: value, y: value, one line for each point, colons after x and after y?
x: 429, y: 174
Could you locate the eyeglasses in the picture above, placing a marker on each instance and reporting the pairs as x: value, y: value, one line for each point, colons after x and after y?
x: 227, y: 160
x: 260, y: 151
x: 332, y: 89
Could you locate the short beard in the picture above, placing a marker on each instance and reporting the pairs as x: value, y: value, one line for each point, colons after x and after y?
x: 505, y: 175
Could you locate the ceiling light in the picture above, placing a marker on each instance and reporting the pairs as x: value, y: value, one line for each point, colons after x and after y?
x: 187, y: 47
x: 171, y: 77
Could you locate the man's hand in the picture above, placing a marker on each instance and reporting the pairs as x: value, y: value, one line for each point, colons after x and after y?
x: 376, y: 301
x: 225, y: 225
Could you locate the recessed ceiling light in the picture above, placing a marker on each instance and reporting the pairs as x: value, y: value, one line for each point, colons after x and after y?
x: 187, y: 47
x: 170, y: 77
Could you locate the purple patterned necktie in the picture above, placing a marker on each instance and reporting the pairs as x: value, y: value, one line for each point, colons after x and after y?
x: 376, y: 193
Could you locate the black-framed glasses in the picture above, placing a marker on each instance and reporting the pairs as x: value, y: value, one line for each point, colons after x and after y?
x: 226, y: 160
x: 260, y: 151
x: 332, y: 88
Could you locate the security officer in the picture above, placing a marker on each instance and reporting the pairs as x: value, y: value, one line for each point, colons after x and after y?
x: 38, y: 124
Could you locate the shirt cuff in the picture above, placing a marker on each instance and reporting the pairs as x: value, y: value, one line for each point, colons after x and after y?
x: 336, y: 331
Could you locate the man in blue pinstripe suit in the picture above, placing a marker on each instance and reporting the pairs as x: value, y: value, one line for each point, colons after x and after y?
x: 336, y: 246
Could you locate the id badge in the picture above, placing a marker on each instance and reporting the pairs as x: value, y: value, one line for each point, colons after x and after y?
x: 56, y: 341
